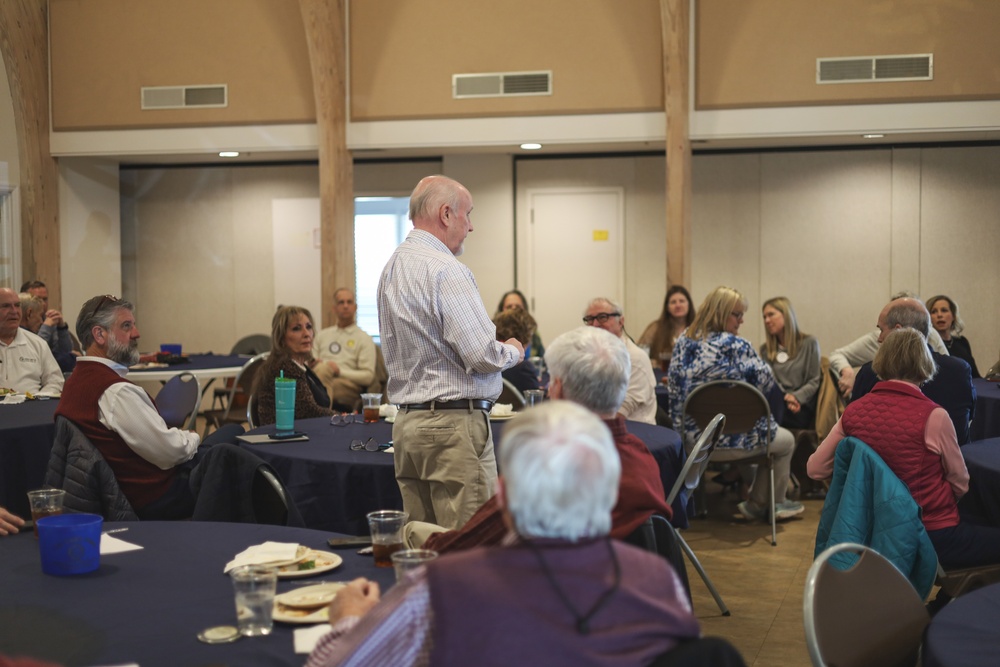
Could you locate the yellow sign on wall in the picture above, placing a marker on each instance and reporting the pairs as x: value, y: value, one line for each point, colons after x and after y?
x: 600, y: 235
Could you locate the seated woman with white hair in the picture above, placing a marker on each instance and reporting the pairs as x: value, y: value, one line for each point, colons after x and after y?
x: 711, y: 349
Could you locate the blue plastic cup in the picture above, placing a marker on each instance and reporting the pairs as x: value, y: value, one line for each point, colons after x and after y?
x: 70, y: 543
x: 171, y: 348
x: 284, y: 405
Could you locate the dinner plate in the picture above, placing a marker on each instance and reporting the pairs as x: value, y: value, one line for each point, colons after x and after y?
x: 287, y: 614
x: 324, y: 560
x: 310, y: 597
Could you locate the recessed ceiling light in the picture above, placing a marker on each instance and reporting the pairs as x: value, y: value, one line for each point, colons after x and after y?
x: 531, y: 147
x: 872, y: 136
x: 229, y: 154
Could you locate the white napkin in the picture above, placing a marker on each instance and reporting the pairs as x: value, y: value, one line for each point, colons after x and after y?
x: 388, y: 410
x: 112, y: 545
x: 502, y: 410
x: 13, y: 399
x: 262, y: 554
x: 306, y: 638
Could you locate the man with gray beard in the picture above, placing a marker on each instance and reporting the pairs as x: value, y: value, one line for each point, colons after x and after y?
x: 151, y: 462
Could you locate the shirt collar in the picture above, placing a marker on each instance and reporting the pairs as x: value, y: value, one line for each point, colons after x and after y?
x: 121, y: 369
x: 425, y: 238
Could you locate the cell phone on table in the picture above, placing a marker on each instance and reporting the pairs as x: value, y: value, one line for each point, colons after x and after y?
x: 349, y: 542
x: 286, y: 436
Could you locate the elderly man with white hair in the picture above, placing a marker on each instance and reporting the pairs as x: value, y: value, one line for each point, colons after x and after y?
x: 640, y: 401
x: 26, y: 362
x: 566, y: 594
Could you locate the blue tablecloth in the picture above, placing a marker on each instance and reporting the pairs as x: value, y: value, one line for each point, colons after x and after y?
x: 148, y: 606
x: 964, y: 633
x: 26, y: 434
x: 334, y: 487
x: 986, y: 420
x: 982, y: 503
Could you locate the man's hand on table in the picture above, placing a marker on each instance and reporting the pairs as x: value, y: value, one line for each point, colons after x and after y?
x: 355, y: 599
x: 9, y: 523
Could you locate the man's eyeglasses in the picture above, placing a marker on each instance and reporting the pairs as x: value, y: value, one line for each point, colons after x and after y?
x: 342, y: 420
x: 600, y: 318
x: 369, y: 445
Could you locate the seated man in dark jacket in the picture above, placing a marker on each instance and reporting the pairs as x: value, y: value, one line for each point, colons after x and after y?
x: 151, y: 462
x: 951, y: 387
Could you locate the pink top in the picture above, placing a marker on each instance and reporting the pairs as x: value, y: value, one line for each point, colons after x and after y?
x: 939, y: 437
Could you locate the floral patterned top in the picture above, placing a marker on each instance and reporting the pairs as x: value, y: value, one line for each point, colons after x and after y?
x: 721, y: 356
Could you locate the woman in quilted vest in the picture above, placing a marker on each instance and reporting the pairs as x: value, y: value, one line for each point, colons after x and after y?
x: 916, y: 439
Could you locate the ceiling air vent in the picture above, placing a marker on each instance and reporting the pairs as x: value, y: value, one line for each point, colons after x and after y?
x: 184, y: 97
x: 501, y: 84
x: 870, y: 69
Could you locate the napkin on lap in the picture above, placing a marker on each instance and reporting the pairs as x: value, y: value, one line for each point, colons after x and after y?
x: 306, y: 638
x: 387, y: 410
x: 262, y: 554
x: 502, y: 410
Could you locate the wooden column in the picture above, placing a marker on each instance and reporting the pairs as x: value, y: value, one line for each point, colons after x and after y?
x: 24, y: 46
x: 675, y: 23
x: 326, y: 35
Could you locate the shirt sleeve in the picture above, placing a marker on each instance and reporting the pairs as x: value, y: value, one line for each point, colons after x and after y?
x: 468, y: 329
x: 397, y: 631
x: 52, y: 378
x: 939, y: 435
x: 127, y: 410
x: 854, y: 354
x: 812, y: 373
x: 364, y: 374
x: 820, y: 464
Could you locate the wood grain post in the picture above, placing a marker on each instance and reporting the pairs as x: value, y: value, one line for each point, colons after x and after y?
x: 24, y: 46
x: 675, y: 22
x: 326, y: 35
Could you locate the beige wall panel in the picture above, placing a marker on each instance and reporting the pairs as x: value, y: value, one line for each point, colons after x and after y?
x: 645, y: 267
x: 905, y: 253
x: 960, y: 240
x: 825, y: 241
x: 753, y: 53
x: 725, y: 229
x: 391, y: 179
x: 104, y: 51
x: 604, y: 55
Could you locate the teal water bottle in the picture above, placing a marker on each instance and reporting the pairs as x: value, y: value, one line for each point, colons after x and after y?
x: 284, y: 404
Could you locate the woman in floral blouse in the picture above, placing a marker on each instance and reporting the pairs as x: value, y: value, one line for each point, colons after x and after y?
x: 711, y: 349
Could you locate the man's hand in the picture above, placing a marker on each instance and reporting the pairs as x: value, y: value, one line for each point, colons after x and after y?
x: 792, y: 404
x: 520, y: 348
x: 846, y: 382
x: 9, y: 524
x: 53, y: 318
x: 334, y: 367
x: 355, y: 599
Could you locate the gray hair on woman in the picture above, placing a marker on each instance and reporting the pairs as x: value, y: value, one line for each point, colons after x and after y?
x: 560, y: 472
x: 904, y: 355
x: 593, y: 366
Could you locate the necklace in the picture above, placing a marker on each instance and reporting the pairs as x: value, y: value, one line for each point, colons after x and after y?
x: 582, y: 622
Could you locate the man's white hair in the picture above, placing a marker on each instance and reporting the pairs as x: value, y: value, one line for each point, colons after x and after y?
x: 561, y: 471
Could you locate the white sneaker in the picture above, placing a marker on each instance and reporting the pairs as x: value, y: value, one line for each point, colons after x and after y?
x: 788, y: 509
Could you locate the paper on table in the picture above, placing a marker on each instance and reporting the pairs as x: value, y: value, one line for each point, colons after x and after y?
x: 262, y: 554
x: 264, y: 438
x: 112, y: 545
x: 306, y: 638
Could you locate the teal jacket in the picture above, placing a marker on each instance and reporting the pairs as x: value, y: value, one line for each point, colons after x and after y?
x: 869, y: 505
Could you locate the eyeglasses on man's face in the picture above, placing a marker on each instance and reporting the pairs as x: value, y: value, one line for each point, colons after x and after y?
x: 600, y: 318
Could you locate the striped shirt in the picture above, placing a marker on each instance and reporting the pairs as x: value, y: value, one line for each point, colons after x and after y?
x: 438, y: 341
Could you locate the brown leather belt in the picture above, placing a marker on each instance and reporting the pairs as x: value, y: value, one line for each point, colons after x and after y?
x: 470, y: 404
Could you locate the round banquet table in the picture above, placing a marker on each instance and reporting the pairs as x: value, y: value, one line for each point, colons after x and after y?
x: 203, y: 366
x: 148, y: 606
x: 334, y: 487
x: 982, y: 502
x: 964, y: 633
x: 26, y: 433
x: 986, y: 420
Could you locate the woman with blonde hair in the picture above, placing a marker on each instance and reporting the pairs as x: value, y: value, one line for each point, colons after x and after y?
x: 916, y: 439
x: 711, y: 349
x: 945, y: 319
x: 291, y: 353
x: 794, y: 359
x: 659, y: 336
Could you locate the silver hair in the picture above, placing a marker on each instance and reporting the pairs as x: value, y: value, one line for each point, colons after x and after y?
x: 561, y: 471
x: 616, y: 307
x: 909, y: 313
x: 99, y: 311
x: 431, y: 193
x: 593, y: 366
x: 29, y: 304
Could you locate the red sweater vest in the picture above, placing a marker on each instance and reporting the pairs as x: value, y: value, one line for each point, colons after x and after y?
x: 140, y: 481
x: 891, y: 420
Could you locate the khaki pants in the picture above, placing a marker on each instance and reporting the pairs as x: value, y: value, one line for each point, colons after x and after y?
x: 445, y: 465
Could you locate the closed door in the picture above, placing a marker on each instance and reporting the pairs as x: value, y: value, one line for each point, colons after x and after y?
x: 575, y: 253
